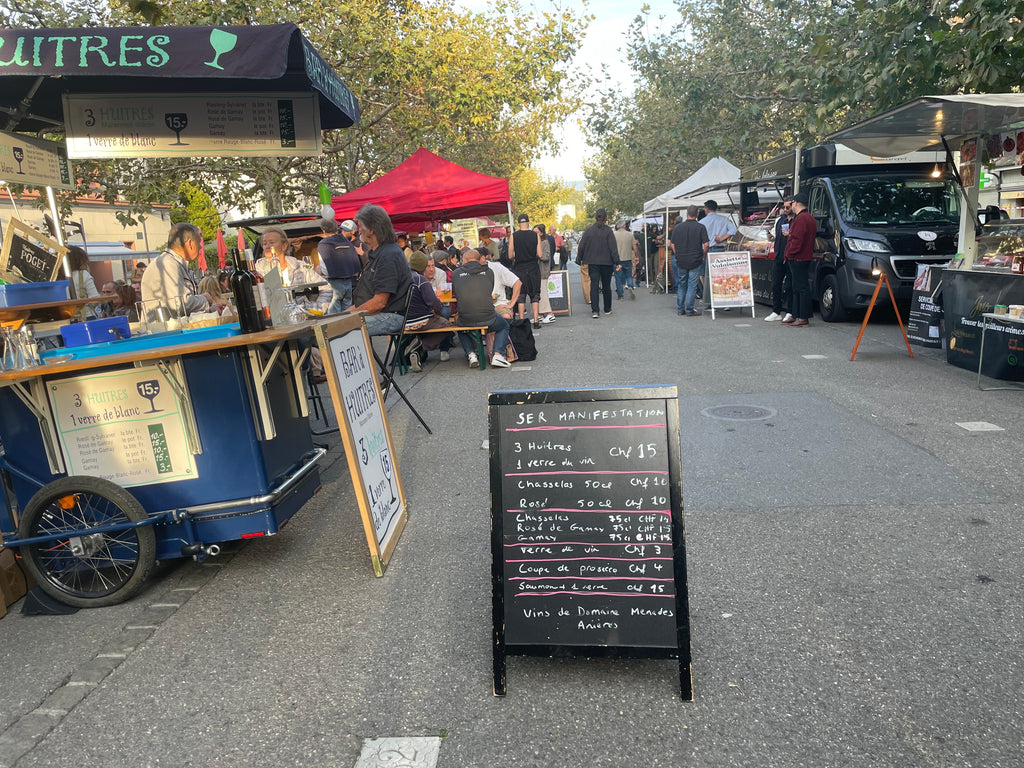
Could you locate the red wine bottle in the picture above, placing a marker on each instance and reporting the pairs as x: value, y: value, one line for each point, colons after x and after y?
x: 243, y: 286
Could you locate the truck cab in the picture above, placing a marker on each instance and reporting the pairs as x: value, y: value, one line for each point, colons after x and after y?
x: 891, y: 215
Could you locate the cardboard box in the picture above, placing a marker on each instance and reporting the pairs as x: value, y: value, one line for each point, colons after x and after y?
x: 12, y: 580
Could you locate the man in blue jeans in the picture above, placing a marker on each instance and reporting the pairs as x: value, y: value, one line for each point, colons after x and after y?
x: 689, y: 243
x: 473, y: 288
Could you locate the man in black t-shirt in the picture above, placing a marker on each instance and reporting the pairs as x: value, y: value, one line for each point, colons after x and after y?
x: 384, y: 283
x: 689, y: 243
x: 524, y: 249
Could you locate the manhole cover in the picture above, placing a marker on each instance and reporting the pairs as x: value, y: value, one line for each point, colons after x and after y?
x: 739, y: 412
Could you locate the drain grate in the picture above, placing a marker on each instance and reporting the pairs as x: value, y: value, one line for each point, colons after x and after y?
x: 738, y: 412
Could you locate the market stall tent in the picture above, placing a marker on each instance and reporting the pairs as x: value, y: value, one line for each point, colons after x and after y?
x: 427, y: 189
x: 716, y: 172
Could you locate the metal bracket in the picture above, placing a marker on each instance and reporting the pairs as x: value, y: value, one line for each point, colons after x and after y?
x: 37, y: 402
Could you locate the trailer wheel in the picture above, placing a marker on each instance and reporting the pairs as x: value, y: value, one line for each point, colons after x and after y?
x: 832, y: 309
x: 83, y: 569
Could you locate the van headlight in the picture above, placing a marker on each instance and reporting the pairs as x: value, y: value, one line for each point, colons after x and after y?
x: 866, y: 246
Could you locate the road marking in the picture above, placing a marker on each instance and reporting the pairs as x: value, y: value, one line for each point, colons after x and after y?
x: 401, y: 752
x: 979, y: 426
x: 814, y: 357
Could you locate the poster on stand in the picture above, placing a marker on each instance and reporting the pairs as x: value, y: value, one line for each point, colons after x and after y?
x: 925, y: 312
x: 730, y: 280
x: 355, y: 390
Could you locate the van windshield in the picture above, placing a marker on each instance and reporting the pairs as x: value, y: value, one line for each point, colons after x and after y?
x: 881, y: 201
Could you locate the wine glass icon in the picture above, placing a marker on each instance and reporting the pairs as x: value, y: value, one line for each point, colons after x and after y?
x: 149, y: 390
x: 19, y: 155
x: 177, y: 122
x: 385, y: 465
x: 221, y: 41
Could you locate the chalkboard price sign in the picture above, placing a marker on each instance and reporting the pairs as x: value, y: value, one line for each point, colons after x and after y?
x: 588, y: 551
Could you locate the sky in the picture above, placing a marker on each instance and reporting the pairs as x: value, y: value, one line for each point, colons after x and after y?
x: 603, y: 44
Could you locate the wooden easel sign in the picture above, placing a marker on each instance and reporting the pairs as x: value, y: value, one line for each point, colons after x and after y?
x: 588, y: 552
x: 366, y: 433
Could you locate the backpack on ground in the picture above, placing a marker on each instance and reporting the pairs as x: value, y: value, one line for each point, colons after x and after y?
x: 520, y: 333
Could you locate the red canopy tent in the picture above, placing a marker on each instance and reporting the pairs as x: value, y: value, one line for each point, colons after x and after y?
x: 425, y: 190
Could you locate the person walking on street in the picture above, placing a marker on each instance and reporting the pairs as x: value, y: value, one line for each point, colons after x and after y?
x: 689, y: 243
x: 524, y: 249
x: 626, y: 244
x: 799, y: 252
x: 782, y: 292
x: 598, y: 250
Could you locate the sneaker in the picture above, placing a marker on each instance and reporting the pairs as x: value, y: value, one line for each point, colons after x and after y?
x: 536, y: 325
x: 695, y: 313
x: 788, y: 318
x: 595, y: 315
x: 474, y: 361
x: 445, y: 355
x: 607, y: 311
x: 632, y: 293
x: 773, y: 317
x: 499, y: 361
x: 414, y: 362
x: 618, y: 298
x: 548, y: 319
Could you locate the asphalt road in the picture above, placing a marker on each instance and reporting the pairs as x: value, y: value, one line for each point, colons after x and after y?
x: 855, y: 577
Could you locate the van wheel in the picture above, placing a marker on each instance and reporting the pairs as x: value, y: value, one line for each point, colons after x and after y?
x: 832, y: 309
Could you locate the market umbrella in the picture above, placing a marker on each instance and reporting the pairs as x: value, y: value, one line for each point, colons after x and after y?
x: 222, y: 248
x: 40, y: 68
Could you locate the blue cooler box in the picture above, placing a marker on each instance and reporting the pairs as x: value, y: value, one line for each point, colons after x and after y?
x: 14, y: 295
x: 94, y: 331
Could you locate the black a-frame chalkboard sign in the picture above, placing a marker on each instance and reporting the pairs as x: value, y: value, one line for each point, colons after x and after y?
x: 588, y: 554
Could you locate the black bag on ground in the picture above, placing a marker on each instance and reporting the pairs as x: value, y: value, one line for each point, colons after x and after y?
x: 520, y: 333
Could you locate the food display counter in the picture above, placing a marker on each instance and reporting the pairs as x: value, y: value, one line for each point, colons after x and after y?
x: 119, y: 454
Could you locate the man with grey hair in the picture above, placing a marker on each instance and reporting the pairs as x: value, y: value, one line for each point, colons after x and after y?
x: 384, y: 284
x: 339, y: 261
x: 169, y: 278
x: 626, y: 244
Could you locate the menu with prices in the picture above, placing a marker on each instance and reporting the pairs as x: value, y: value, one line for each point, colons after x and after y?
x: 587, y: 536
x: 126, y: 427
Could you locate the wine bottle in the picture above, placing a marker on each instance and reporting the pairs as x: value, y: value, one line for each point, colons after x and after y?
x: 262, y: 301
x: 250, y: 318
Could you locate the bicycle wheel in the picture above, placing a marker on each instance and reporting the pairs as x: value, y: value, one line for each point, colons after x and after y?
x: 85, y: 569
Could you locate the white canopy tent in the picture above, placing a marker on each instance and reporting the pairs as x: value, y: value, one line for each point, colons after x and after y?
x: 716, y: 172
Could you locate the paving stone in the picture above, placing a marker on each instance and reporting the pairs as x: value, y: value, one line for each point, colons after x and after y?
x: 400, y: 752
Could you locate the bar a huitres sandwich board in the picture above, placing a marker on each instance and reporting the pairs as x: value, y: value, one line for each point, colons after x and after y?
x: 588, y: 552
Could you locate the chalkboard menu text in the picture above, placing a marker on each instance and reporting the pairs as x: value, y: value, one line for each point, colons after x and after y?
x: 588, y: 551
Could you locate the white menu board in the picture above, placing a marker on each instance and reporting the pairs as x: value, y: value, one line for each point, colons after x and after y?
x: 125, y: 426
x: 25, y: 160
x: 192, y: 125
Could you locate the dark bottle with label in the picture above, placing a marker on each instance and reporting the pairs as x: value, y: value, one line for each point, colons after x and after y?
x: 243, y: 286
x: 262, y: 301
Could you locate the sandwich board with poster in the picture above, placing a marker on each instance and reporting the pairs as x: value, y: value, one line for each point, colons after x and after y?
x: 730, y: 280
x: 363, y: 423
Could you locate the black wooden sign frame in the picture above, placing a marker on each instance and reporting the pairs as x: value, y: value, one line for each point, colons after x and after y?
x: 507, y: 414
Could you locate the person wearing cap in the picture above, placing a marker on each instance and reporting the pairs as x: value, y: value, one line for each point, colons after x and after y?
x: 782, y: 293
x: 598, y: 250
x: 799, y: 253
x: 525, y: 251
x: 425, y: 313
x: 383, y: 284
x: 340, y: 261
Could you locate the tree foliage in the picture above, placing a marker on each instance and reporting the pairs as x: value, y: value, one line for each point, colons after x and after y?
x: 425, y: 73
x: 746, y: 79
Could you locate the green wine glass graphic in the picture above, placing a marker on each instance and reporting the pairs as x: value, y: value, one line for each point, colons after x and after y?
x: 221, y: 41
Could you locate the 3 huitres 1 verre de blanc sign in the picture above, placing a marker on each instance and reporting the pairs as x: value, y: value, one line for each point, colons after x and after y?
x: 588, y: 550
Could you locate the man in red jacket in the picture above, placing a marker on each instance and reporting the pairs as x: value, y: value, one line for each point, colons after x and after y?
x: 799, y: 253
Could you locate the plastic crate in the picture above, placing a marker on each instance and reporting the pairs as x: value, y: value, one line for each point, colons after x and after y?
x: 94, y: 331
x: 14, y: 295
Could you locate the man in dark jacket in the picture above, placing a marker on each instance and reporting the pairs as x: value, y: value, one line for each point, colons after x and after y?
x: 689, y: 243
x: 473, y: 289
x: 597, y: 249
x: 339, y: 261
x: 799, y: 253
x: 384, y: 283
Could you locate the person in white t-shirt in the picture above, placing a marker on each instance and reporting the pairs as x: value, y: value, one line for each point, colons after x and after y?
x: 503, y: 278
